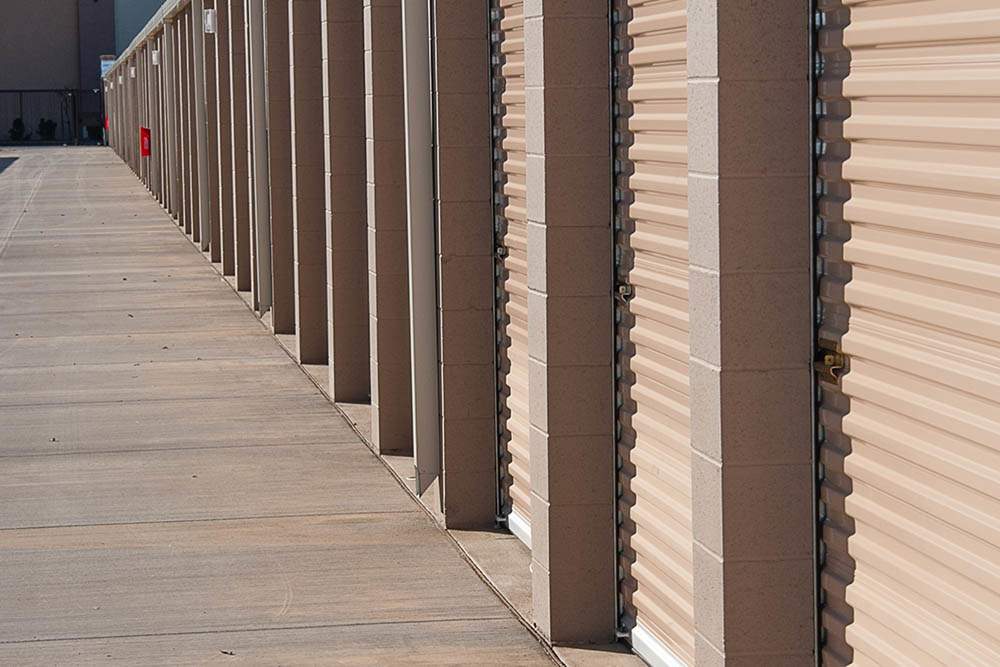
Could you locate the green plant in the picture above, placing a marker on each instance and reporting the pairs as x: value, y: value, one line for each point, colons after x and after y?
x: 17, y: 130
x: 47, y: 129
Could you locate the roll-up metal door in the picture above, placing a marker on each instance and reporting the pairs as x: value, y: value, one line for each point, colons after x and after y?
x: 512, y: 263
x: 909, y: 224
x: 654, y: 450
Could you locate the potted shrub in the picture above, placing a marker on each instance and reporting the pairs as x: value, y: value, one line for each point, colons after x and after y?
x: 17, y: 130
x: 47, y: 129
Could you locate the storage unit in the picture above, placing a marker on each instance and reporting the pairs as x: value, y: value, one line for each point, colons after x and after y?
x: 654, y: 449
x: 910, y: 288
x: 908, y: 236
x: 512, y: 270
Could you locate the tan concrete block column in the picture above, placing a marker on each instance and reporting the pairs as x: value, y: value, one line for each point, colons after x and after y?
x: 143, y: 76
x: 161, y: 136
x: 465, y: 262
x: 184, y: 22
x: 180, y: 93
x: 121, y: 82
x: 279, y: 153
x: 167, y: 56
x: 153, y: 98
x: 140, y: 78
x: 251, y: 130
x: 212, y: 115
x: 346, y: 206
x: 224, y: 131
x: 127, y: 108
x: 392, y: 430
x: 570, y: 319
x: 156, y: 123
x: 241, y: 159
x: 152, y: 93
x: 194, y: 228
x: 166, y: 137
x: 180, y: 195
x: 750, y: 253
x: 308, y: 195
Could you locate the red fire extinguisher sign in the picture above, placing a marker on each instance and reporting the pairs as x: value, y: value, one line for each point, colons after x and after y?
x: 145, y: 142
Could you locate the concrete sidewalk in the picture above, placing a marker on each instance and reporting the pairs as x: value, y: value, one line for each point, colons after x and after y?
x: 174, y: 490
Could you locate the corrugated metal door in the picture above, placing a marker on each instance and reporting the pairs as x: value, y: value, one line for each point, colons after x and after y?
x: 512, y: 274
x: 654, y: 450
x: 910, y: 293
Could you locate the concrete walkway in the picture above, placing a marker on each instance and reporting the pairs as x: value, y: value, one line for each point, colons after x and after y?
x: 173, y: 489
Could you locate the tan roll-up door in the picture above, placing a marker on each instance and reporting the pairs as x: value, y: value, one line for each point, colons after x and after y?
x: 910, y: 292
x: 654, y: 441
x: 512, y: 292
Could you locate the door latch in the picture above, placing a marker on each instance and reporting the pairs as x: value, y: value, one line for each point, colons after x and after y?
x: 830, y: 364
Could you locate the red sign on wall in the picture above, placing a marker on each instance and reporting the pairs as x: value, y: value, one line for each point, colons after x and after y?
x: 145, y: 142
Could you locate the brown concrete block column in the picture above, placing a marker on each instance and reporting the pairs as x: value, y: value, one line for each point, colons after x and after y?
x: 180, y: 94
x: 241, y: 159
x: 163, y: 156
x: 194, y: 228
x: 251, y: 131
x: 126, y: 120
x: 183, y: 100
x: 279, y: 153
x: 212, y: 117
x: 308, y: 197
x: 570, y: 319
x: 183, y: 24
x: 465, y: 262
x: 161, y: 135
x: 392, y: 428
x: 180, y: 200
x: 151, y: 116
x: 224, y: 131
x: 750, y: 253
x: 166, y: 104
x: 130, y: 111
x: 346, y: 206
x: 141, y: 53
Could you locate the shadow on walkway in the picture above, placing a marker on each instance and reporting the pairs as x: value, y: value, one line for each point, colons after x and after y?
x: 175, y: 490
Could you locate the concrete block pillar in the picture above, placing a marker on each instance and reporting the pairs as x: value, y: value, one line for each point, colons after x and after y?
x: 192, y: 100
x: 279, y: 153
x: 161, y: 111
x: 212, y: 142
x: 750, y: 252
x: 465, y: 262
x: 167, y: 56
x: 203, y: 222
x: 191, y: 178
x: 180, y: 163
x: 346, y: 206
x: 183, y: 145
x: 388, y: 309
x: 570, y: 319
x: 227, y: 246
x: 308, y: 198
x: 241, y: 159
x: 141, y: 55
